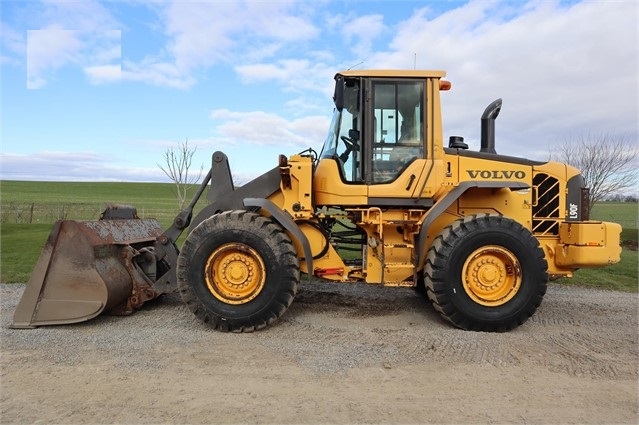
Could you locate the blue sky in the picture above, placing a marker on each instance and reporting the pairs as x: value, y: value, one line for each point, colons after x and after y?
x: 98, y: 90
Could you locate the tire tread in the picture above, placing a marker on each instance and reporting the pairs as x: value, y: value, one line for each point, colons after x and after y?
x: 275, y: 237
x: 438, y: 263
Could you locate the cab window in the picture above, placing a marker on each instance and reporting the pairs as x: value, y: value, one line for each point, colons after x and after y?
x: 398, y: 127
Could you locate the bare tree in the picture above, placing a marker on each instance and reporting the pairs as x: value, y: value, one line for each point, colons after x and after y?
x: 177, y: 166
x: 608, y: 164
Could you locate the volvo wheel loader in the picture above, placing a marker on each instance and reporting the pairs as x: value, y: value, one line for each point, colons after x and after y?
x: 384, y: 202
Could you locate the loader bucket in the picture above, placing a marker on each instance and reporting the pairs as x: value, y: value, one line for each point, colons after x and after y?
x: 86, y: 268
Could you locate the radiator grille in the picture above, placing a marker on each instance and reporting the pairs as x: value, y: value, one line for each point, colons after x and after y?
x: 546, y: 209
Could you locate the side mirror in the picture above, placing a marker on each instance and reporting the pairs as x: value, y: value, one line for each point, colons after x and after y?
x: 353, y: 134
x: 338, y: 97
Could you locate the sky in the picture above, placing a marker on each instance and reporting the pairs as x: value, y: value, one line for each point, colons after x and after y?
x: 99, y: 90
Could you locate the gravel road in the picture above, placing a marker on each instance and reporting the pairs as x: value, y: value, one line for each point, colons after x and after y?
x: 341, y: 354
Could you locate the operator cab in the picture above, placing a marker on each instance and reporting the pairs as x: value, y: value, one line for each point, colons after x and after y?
x: 379, y: 136
x: 393, y: 138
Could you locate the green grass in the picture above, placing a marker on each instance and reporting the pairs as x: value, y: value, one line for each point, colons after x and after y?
x: 624, y: 213
x: 20, y: 246
x: 46, y: 202
x: 618, y: 277
x: 29, y: 209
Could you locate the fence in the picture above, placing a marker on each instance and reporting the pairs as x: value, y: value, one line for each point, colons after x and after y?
x: 44, y: 213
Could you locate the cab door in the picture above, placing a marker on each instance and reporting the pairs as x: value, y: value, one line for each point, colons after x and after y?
x: 401, y: 147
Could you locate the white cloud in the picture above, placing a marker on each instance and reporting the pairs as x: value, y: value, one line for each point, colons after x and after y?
x: 48, y: 50
x: 295, y: 74
x: 71, y: 166
x: 556, y: 73
x: 198, y: 34
x: 51, y: 49
x: 260, y: 72
x: 298, y: 76
x: 85, y: 15
x: 165, y: 74
x: 103, y: 73
x: 263, y: 128
x: 282, y: 20
x: 364, y: 30
x: 58, y: 34
x: 13, y: 45
x: 203, y: 34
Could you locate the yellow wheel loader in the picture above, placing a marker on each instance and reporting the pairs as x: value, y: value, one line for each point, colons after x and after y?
x: 384, y: 202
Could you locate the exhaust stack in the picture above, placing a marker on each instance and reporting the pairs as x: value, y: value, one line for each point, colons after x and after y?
x: 488, y: 127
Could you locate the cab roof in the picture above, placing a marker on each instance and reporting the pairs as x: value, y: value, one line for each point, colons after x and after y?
x: 397, y: 73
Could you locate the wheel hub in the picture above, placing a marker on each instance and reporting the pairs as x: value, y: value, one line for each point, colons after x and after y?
x: 491, y: 275
x: 235, y: 273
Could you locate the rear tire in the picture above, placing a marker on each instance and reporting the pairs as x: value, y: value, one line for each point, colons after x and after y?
x: 238, y: 271
x: 486, y: 273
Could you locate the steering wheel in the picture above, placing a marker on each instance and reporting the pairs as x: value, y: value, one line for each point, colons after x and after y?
x: 350, y: 145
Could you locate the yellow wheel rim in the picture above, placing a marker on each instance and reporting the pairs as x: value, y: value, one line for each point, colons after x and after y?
x: 235, y: 273
x: 491, y: 276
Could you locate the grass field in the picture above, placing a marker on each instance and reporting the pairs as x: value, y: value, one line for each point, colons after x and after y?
x: 624, y: 213
x: 28, y: 210
x: 46, y: 202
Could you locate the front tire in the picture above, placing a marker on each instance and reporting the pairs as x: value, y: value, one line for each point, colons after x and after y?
x: 238, y: 271
x: 486, y: 273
